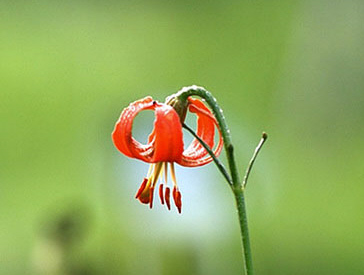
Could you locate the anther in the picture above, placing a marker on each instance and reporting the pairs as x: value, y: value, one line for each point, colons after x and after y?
x: 179, y: 202
x: 174, y: 194
x: 167, y: 196
x: 141, y: 188
x: 177, y: 199
x: 161, y: 193
x: 151, y: 197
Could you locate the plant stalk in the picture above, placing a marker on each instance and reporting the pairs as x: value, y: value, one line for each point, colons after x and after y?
x: 236, y: 186
x: 244, y: 230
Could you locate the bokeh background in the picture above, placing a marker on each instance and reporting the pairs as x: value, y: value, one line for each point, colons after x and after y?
x: 292, y: 68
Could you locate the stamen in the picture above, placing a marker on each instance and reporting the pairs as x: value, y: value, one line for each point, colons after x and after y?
x: 165, y: 166
x: 156, y: 172
x: 145, y: 195
x: 173, y: 175
x: 177, y: 197
x: 150, y: 170
x: 141, y: 188
x: 161, y: 193
x: 174, y: 193
x: 151, y: 197
x: 179, y: 202
x: 167, y: 195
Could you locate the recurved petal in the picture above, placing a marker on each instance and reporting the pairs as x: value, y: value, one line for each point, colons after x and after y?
x: 195, y: 154
x: 122, y: 134
x: 165, y: 142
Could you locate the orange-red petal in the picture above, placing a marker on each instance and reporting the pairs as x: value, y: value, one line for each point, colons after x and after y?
x: 165, y: 142
x: 195, y: 154
x: 122, y: 134
x: 168, y: 139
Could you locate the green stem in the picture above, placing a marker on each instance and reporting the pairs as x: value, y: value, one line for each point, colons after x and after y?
x: 218, y: 163
x: 243, y: 221
x: 225, y: 132
x: 236, y: 186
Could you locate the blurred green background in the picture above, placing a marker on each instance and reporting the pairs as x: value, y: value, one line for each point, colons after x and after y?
x: 292, y: 68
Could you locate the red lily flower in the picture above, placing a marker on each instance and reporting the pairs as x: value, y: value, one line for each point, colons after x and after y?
x: 165, y: 144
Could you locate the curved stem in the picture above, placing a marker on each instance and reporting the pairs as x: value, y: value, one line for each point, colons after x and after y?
x: 218, y: 163
x: 236, y: 186
x: 225, y: 132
